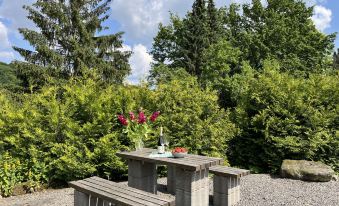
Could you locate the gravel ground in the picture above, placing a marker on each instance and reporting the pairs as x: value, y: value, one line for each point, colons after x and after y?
x: 256, y: 190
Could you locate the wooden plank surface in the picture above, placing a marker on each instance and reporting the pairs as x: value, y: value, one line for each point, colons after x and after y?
x: 117, y: 193
x: 129, y: 189
x: 228, y: 171
x: 123, y: 192
x: 190, y: 162
x: 102, y: 194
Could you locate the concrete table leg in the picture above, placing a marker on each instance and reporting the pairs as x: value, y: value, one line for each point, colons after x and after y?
x: 226, y: 191
x: 142, y: 176
x: 171, y: 179
x: 191, y: 187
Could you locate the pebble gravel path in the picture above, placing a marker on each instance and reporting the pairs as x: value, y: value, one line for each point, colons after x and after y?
x: 256, y: 190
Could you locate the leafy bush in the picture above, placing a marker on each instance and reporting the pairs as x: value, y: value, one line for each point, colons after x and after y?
x: 192, y: 117
x: 70, y: 131
x: 65, y: 132
x: 9, y: 174
x: 284, y: 117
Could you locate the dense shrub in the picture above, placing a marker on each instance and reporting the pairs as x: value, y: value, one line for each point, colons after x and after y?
x: 282, y: 116
x: 70, y: 131
x: 10, y: 174
x: 192, y: 117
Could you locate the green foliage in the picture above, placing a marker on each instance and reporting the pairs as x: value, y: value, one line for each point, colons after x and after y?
x: 217, y: 93
x: 9, y: 174
x: 192, y: 118
x: 223, y: 60
x: 70, y: 131
x: 138, y: 128
x: 64, y: 131
x: 281, y: 30
x: 285, y: 108
x: 162, y: 74
x: 8, y: 79
x: 284, y: 117
x: 67, y: 43
x: 183, y: 41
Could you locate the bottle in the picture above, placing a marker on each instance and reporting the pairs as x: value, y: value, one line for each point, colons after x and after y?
x: 161, y: 147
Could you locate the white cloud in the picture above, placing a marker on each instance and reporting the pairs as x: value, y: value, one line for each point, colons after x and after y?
x: 15, y: 17
x: 322, y: 17
x: 140, y: 18
x: 314, y: 2
x: 4, y: 43
x: 140, y: 62
x: 5, y: 46
x: 12, y: 11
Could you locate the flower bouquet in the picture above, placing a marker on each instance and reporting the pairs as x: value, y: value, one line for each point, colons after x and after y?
x: 137, y: 129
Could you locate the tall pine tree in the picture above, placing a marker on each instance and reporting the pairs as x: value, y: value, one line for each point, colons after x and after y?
x: 215, y: 23
x: 195, y: 38
x: 66, y: 43
x: 183, y: 42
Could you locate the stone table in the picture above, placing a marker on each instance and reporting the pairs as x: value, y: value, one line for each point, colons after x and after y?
x: 187, y: 177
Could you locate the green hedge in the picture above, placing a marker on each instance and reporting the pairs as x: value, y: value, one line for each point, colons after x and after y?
x: 283, y: 117
x: 67, y: 132
x: 70, y: 131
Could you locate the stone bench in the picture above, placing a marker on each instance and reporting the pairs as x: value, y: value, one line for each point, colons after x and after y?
x: 226, y: 184
x: 96, y: 191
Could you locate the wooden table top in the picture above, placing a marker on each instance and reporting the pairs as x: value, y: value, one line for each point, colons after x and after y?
x: 189, y: 162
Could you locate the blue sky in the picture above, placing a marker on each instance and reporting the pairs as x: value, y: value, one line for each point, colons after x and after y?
x: 139, y: 20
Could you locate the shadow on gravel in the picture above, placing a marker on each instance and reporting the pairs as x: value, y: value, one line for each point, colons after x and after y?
x: 275, y: 176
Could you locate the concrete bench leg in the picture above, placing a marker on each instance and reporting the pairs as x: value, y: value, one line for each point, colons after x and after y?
x: 171, y: 179
x: 81, y: 199
x: 142, y: 176
x: 191, y: 187
x: 226, y: 191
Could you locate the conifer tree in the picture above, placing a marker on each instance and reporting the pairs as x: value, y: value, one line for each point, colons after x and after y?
x: 66, y: 43
x: 182, y: 43
x: 195, y: 39
x: 215, y: 23
x: 280, y: 29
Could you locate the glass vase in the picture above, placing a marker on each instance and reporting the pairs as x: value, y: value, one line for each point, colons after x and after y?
x: 139, y: 144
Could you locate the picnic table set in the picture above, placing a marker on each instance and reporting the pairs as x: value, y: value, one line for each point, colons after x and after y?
x: 187, y: 177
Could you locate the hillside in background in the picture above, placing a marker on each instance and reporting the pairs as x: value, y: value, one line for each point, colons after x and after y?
x: 8, y: 79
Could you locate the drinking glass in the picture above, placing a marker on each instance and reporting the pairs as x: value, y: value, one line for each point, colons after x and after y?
x: 166, y: 142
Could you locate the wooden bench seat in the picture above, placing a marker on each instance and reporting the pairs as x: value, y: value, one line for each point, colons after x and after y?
x: 96, y: 191
x: 226, y: 184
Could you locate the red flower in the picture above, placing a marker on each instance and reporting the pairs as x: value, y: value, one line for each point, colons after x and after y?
x: 131, y: 116
x: 122, y: 120
x: 154, y: 116
x: 142, y: 118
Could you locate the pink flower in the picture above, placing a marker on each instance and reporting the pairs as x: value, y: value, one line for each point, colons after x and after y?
x: 142, y: 118
x: 131, y: 116
x: 122, y: 120
x: 154, y: 116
